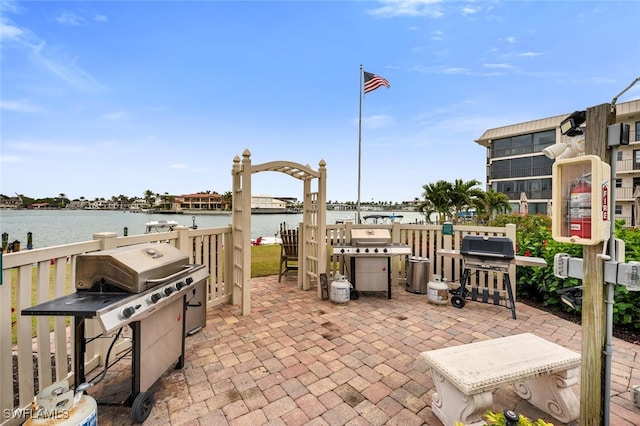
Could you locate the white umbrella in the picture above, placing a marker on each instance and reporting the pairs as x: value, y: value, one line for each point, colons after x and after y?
x: 524, y: 203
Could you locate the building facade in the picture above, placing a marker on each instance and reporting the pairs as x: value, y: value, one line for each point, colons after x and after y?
x: 517, y: 167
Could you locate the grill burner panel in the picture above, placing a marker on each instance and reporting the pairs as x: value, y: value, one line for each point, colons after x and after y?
x: 373, y: 250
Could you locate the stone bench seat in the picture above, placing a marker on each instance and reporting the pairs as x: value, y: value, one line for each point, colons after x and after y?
x: 465, y: 377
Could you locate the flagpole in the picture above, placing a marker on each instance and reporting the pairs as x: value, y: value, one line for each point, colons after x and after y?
x: 359, y: 146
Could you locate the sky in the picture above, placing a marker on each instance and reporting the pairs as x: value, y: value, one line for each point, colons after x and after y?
x: 107, y: 98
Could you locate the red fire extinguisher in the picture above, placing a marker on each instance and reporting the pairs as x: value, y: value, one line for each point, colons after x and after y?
x: 580, y: 208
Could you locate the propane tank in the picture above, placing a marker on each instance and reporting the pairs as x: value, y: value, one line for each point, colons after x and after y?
x: 340, y: 289
x: 580, y: 208
x: 438, y: 291
x: 59, y: 406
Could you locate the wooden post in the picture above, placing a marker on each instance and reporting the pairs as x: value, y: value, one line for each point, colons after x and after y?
x: 593, y: 292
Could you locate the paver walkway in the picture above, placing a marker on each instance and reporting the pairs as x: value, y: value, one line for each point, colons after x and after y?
x: 297, y: 360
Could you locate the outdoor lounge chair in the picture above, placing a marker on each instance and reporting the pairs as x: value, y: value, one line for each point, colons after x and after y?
x: 288, y: 251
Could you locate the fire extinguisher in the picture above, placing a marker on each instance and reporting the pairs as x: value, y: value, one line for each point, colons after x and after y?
x: 580, y: 208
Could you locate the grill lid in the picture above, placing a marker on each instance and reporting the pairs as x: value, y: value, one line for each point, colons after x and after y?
x: 370, y: 237
x: 485, y: 246
x: 132, y: 268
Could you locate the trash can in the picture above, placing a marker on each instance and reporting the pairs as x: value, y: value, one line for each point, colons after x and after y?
x: 418, y: 274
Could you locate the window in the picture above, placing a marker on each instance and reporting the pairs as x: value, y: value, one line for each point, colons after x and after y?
x: 521, y: 167
x: 636, y: 159
x: 637, y: 130
x: 543, y: 139
x: 522, y: 144
x: 541, y: 165
x: 618, y: 209
x: 501, y: 147
x: 618, y: 183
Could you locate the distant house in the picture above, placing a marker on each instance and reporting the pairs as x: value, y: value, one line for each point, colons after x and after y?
x: 40, y: 206
x: 200, y: 201
x: 11, y: 203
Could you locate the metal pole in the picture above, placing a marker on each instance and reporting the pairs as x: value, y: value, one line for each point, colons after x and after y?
x: 359, y: 147
x: 610, y: 296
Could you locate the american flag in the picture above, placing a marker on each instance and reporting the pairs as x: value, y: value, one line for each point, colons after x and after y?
x: 372, y: 82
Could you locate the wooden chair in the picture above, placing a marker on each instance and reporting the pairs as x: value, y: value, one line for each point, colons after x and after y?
x: 288, y: 251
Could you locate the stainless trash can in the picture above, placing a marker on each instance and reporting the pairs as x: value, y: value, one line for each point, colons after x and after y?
x: 418, y: 274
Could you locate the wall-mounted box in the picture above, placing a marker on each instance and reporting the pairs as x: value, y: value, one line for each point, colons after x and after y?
x: 581, y: 200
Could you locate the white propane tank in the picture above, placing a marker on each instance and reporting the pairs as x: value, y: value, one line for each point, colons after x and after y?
x: 57, y: 405
x: 340, y: 289
x: 437, y: 291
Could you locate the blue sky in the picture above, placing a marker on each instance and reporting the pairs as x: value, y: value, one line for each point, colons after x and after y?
x: 102, y: 98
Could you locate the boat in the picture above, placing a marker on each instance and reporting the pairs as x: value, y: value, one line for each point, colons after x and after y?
x: 380, y: 219
x: 160, y: 226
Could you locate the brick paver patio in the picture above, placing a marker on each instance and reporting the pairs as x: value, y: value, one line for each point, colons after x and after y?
x: 297, y: 360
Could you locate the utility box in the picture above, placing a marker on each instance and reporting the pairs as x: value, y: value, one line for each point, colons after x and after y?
x: 581, y: 200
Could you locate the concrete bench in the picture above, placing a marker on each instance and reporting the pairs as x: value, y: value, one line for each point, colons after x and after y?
x: 466, y: 376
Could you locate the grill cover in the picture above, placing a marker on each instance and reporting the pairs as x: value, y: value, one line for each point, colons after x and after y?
x: 128, y: 268
x: 478, y: 245
x: 370, y: 237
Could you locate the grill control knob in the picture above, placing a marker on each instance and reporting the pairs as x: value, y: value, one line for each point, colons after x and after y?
x: 366, y: 250
x: 384, y: 250
x: 128, y: 311
x: 357, y: 250
x: 168, y: 291
x: 375, y: 250
x: 189, y: 280
x: 155, y: 297
x: 180, y: 284
x: 341, y: 250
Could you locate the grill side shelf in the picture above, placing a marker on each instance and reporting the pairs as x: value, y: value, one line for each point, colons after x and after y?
x: 79, y: 304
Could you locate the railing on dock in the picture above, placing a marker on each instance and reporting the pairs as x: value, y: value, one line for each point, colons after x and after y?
x: 35, y: 276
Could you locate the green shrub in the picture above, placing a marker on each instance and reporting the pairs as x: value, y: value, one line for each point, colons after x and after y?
x: 533, y: 238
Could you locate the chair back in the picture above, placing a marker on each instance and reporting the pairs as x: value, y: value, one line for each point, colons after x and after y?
x: 289, y: 242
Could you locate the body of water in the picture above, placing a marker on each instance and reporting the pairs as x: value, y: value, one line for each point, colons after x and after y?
x: 57, y: 227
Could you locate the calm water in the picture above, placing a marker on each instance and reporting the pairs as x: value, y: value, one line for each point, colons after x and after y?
x: 56, y: 227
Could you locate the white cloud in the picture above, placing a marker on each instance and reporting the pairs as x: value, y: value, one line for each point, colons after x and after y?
x: 501, y: 66
x: 393, y: 8
x: 116, y: 115
x: 70, y: 19
x: 468, y: 10
x: 377, y: 121
x: 530, y: 54
x: 9, y: 159
x: 100, y: 18
x: 18, y: 106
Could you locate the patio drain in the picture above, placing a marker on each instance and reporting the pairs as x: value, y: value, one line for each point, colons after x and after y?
x: 401, y: 317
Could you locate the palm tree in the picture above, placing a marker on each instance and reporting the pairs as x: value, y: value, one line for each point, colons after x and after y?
x: 437, y: 199
x: 463, y: 195
x: 494, y: 203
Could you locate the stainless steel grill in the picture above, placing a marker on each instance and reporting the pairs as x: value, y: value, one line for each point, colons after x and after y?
x: 369, y: 254
x: 149, y: 287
